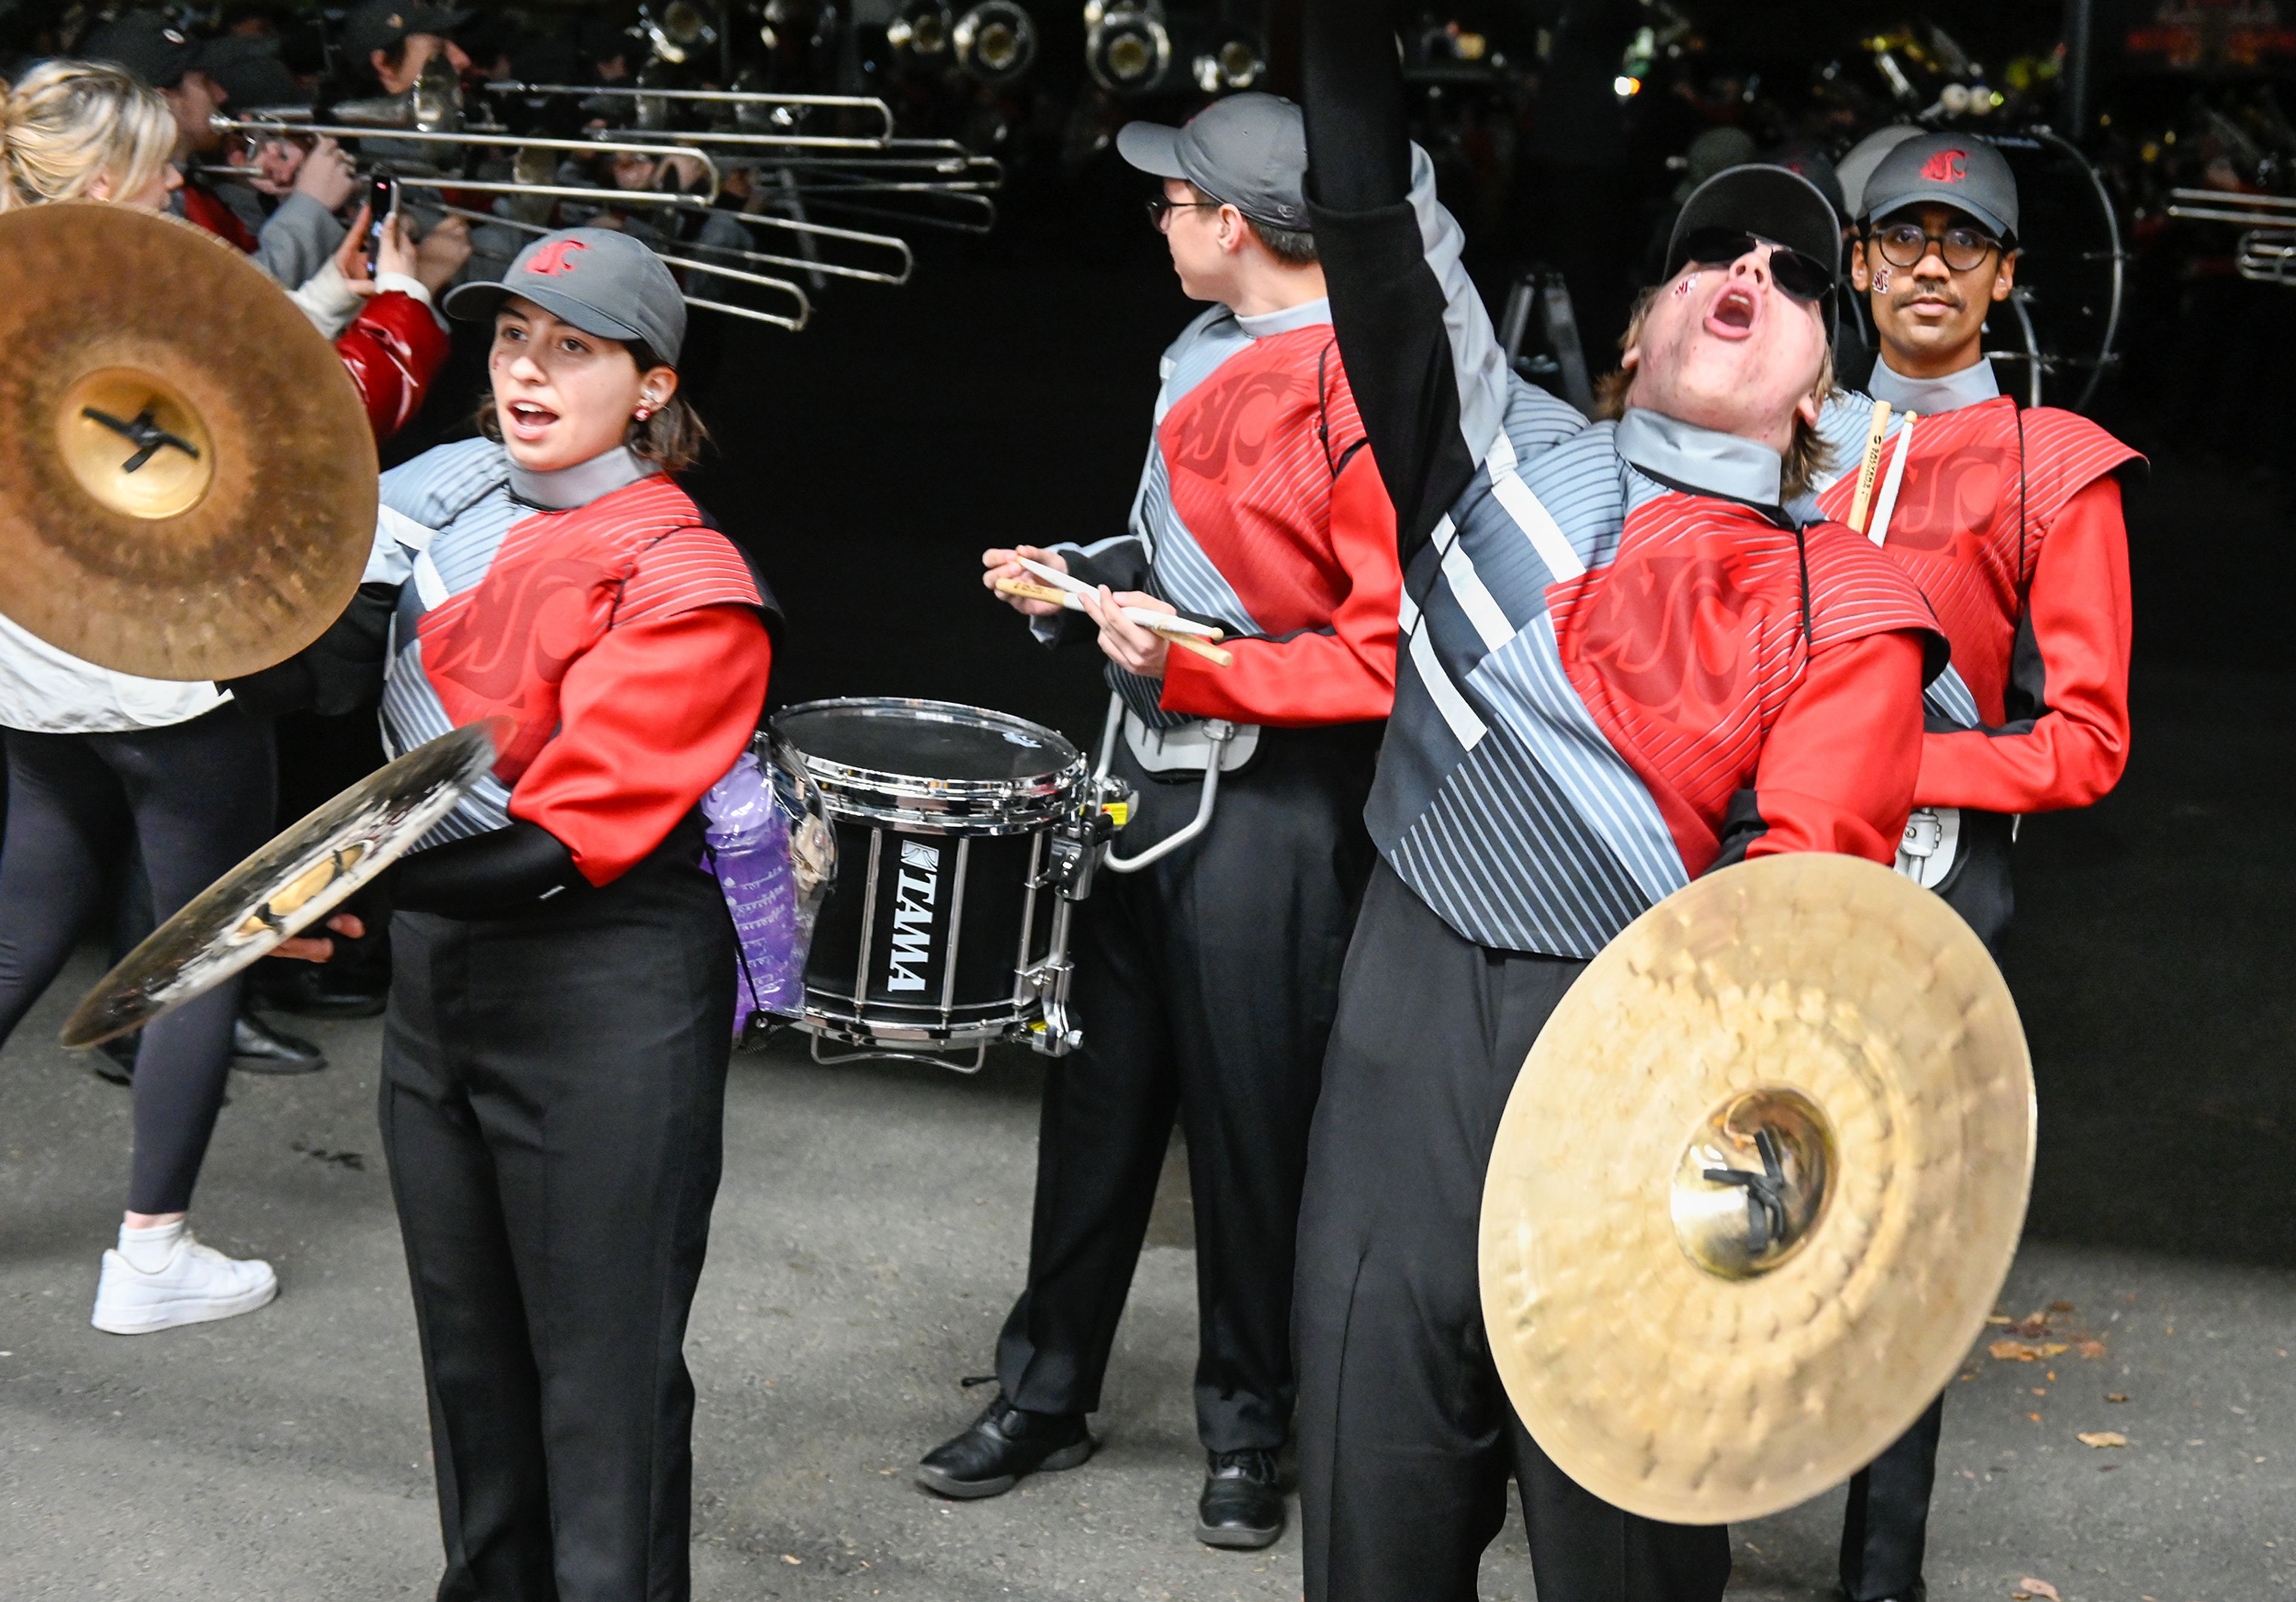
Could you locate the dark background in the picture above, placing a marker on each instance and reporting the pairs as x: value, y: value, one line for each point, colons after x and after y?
x: 1004, y: 396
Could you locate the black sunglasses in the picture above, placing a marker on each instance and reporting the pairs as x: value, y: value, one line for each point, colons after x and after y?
x: 1793, y: 272
x: 1962, y: 250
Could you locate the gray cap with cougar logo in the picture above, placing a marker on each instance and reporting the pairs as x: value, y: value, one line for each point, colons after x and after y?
x: 1247, y: 150
x: 1946, y: 170
x: 600, y: 280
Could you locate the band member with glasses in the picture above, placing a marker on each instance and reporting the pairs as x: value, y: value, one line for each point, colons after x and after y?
x: 1205, y: 982
x: 2010, y: 521
x: 1624, y: 663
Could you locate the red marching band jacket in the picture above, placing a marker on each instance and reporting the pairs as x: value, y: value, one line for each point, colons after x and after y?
x: 2011, y: 524
x: 392, y: 349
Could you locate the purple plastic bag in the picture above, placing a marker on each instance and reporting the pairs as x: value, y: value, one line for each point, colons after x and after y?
x: 773, y: 855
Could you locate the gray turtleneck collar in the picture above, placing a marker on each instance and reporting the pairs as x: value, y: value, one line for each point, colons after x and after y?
x: 1700, y: 459
x: 563, y: 489
x: 1305, y: 314
x: 1931, y: 396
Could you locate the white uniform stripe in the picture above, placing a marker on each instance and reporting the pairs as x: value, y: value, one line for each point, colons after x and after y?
x: 1474, y: 600
x: 1466, y: 727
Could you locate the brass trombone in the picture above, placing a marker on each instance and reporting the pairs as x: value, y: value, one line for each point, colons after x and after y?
x: 794, y: 323
x: 761, y: 99
x: 2267, y: 251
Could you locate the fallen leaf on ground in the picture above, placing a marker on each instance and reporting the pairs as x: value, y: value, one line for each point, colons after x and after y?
x: 2026, y: 1352
x: 2041, y: 1589
x: 1996, y: 1318
x: 2116, y: 1396
x: 2061, y: 1307
x: 2091, y: 1349
x: 2102, y: 1438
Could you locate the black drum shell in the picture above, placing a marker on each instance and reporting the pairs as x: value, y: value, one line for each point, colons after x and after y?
x: 928, y: 864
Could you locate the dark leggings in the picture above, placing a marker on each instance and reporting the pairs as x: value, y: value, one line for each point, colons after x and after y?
x: 195, y: 796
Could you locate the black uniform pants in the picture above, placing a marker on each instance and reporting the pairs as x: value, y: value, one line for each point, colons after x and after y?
x: 1885, y: 1527
x: 1205, y: 986
x: 553, y: 1103
x: 191, y: 799
x: 1406, y: 1437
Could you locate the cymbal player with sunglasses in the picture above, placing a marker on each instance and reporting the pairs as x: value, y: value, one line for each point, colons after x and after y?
x: 2010, y: 522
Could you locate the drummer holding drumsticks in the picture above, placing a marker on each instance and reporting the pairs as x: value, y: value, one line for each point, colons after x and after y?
x: 1205, y: 984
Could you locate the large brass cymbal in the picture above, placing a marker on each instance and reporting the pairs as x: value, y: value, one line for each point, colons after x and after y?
x: 292, y: 881
x: 187, y: 479
x: 1704, y: 1350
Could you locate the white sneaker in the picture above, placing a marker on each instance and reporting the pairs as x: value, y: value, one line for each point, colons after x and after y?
x: 197, y: 1284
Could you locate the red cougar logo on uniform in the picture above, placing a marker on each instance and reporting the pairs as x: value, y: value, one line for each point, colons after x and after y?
x: 1945, y: 167
x: 551, y: 259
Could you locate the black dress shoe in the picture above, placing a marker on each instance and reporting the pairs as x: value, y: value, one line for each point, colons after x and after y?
x: 1242, y: 1503
x: 311, y: 990
x: 1003, y: 1443
x: 115, y: 1059
x: 257, y: 1047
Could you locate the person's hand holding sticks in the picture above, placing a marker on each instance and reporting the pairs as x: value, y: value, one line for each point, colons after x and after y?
x: 1004, y: 567
x: 1124, y: 642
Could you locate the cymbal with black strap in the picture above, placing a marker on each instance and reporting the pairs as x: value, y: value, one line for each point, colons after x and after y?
x: 187, y: 476
x: 1757, y: 1188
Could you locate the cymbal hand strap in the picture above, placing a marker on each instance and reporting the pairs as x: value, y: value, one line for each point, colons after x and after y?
x: 1765, y: 1196
x: 147, y: 436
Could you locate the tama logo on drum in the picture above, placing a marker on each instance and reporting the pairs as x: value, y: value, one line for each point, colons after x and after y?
x: 913, y: 916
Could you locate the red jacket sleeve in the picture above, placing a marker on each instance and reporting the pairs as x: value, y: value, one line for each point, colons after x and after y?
x: 393, y: 347
x: 1345, y: 675
x: 650, y: 717
x: 2077, y: 615
x: 1837, y: 772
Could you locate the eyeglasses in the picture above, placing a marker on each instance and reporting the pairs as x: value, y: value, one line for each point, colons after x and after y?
x: 1793, y: 272
x: 1904, y: 244
x: 1162, y: 207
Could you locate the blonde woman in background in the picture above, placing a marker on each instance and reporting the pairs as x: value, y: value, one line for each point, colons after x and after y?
x: 98, y: 761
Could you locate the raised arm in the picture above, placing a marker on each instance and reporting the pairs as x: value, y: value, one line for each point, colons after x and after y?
x: 1424, y: 362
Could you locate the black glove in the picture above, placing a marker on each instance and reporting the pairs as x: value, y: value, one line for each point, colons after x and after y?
x: 334, y: 674
x: 503, y: 874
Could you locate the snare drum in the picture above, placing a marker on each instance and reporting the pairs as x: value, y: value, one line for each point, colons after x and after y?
x: 945, y: 930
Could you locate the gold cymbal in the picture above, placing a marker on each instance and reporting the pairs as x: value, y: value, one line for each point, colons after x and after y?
x: 187, y: 479
x: 1703, y: 1349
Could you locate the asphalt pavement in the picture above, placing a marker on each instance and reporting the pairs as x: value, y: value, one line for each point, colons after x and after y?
x: 872, y: 1229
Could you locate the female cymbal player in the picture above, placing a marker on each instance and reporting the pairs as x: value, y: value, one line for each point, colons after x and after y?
x: 562, y: 1000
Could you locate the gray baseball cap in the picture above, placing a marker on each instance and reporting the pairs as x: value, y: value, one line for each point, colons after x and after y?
x: 1247, y: 150
x: 602, y: 282
x: 1949, y: 170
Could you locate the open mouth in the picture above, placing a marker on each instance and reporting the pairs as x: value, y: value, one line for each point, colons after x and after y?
x: 1733, y: 312
x: 529, y: 421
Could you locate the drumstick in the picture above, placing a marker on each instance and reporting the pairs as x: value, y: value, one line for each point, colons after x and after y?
x: 1149, y: 621
x: 1139, y: 614
x: 1871, y: 465
x: 1877, y: 528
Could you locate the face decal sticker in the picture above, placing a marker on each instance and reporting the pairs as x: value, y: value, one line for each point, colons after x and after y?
x: 1686, y: 285
x: 1882, y: 282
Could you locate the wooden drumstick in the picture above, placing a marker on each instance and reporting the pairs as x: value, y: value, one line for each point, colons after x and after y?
x: 1204, y: 648
x: 1871, y: 466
